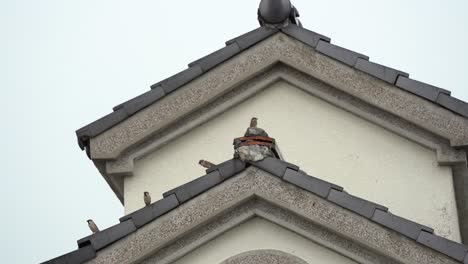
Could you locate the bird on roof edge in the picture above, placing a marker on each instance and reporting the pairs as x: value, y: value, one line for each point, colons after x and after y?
x: 206, y: 164
x: 147, y: 198
x: 278, y: 13
x: 92, y: 226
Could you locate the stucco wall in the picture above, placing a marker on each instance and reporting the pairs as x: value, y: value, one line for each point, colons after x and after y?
x: 261, y: 234
x: 325, y: 141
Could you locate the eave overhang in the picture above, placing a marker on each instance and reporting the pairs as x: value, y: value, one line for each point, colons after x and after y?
x: 318, y: 44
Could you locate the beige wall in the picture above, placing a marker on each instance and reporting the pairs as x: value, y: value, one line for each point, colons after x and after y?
x: 325, y: 141
x: 261, y: 234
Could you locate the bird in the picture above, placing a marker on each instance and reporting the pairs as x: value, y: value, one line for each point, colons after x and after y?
x: 92, y: 226
x: 253, y: 122
x: 206, y: 164
x: 147, y: 198
x: 253, y: 130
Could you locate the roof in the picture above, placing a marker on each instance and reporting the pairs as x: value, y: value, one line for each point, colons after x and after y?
x: 88, y: 247
x: 320, y: 43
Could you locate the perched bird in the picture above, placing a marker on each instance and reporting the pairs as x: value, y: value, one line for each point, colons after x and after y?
x: 253, y: 130
x: 92, y: 226
x: 147, y: 198
x: 206, y: 164
x: 253, y: 122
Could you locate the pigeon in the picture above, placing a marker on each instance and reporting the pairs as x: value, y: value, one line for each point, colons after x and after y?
x: 92, y: 226
x: 253, y: 130
x: 147, y: 198
x: 206, y: 164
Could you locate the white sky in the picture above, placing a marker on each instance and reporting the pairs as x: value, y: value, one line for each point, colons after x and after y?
x: 66, y: 63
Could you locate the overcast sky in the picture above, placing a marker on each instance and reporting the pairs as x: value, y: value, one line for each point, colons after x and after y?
x: 66, y: 63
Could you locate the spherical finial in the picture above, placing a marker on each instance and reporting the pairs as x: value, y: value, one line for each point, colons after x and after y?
x: 274, y: 11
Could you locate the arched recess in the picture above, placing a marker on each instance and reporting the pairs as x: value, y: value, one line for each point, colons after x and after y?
x: 264, y: 256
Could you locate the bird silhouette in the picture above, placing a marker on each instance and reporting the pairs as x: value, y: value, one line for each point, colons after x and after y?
x: 92, y: 226
x: 206, y: 164
x: 147, y: 198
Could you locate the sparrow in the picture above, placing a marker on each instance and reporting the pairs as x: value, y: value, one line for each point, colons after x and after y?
x: 92, y: 226
x: 147, y: 198
x: 253, y: 130
x: 253, y: 122
x: 206, y: 164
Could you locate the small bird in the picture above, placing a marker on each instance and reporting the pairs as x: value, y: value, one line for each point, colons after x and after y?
x: 147, y: 198
x: 253, y: 122
x: 206, y: 164
x: 92, y: 226
x: 253, y: 130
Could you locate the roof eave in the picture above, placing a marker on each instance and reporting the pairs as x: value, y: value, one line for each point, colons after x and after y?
x: 290, y: 173
x: 320, y: 43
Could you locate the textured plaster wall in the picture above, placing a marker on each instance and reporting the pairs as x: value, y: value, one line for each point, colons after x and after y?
x: 261, y: 234
x: 325, y: 141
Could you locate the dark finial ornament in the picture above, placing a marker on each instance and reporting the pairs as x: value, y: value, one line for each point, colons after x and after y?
x: 277, y: 13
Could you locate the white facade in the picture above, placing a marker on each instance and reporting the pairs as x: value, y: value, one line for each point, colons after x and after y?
x: 258, y: 234
x: 326, y: 142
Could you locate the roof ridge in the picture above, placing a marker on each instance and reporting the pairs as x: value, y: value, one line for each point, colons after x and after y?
x: 235, y: 46
x: 287, y: 172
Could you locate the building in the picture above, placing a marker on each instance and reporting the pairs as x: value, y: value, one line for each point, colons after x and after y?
x: 372, y: 168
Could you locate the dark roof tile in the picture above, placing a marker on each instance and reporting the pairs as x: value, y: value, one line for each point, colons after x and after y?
x: 196, y: 187
x: 453, y: 104
x: 134, y: 105
x: 354, y: 204
x: 421, y: 89
x: 210, y: 61
x: 274, y: 166
x: 401, y: 225
x: 452, y: 249
x: 214, y: 176
x: 228, y: 168
x: 153, y: 211
x: 108, y: 236
x: 309, y: 183
x: 75, y: 257
x: 379, y: 71
x: 253, y: 37
x: 343, y: 55
x: 306, y: 36
x: 172, y: 83
x: 234, y: 46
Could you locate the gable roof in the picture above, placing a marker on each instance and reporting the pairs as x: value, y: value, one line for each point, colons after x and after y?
x: 320, y: 43
x: 287, y: 172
